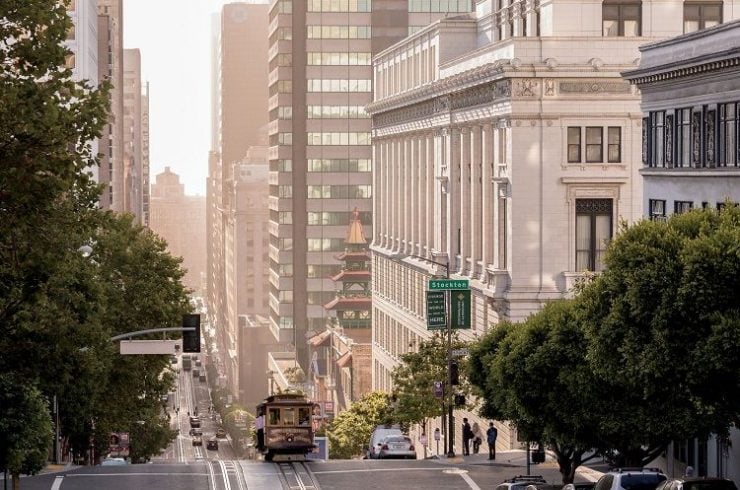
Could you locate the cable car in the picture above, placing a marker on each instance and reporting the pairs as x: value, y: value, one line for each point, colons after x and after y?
x: 284, y: 429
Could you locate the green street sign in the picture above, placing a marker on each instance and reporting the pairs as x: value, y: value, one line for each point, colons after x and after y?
x: 461, y: 309
x: 443, y: 284
x: 436, y: 310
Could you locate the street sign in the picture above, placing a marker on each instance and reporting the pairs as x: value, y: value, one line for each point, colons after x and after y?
x: 459, y: 352
x: 436, y: 310
x: 443, y: 284
x: 439, y: 391
x: 461, y: 309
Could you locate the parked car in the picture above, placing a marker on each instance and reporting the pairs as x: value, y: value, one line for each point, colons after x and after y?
x: 691, y: 483
x: 197, y: 441
x: 221, y: 432
x: 212, y: 443
x: 113, y: 462
x: 196, y: 431
x: 396, y: 446
x: 521, y: 482
x: 631, y: 479
x: 580, y: 486
x: 379, y: 433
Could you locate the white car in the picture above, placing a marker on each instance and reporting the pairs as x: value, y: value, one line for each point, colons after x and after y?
x: 376, y: 439
x: 631, y: 479
x: 113, y: 462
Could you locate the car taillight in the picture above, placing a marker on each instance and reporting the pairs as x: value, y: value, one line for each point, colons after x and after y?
x: 411, y: 448
x: 384, y: 447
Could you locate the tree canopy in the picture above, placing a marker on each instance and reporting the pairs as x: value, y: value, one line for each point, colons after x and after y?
x: 350, y: 430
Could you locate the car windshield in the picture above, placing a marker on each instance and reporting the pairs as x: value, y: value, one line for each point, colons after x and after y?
x: 710, y: 485
x: 642, y: 481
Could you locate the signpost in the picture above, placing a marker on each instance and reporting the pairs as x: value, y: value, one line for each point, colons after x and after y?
x: 460, y: 308
x: 436, y: 319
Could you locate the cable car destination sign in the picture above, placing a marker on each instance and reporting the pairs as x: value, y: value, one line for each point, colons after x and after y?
x: 459, y: 291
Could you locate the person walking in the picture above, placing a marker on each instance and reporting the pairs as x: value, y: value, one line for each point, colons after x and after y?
x: 477, y: 437
x: 467, y: 434
x: 491, y: 435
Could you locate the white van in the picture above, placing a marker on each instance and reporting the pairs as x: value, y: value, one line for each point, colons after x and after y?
x: 379, y: 433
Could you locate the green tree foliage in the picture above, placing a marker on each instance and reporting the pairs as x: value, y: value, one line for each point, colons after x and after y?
x: 58, y: 308
x: 350, y: 431
x: 663, y: 328
x: 25, y: 428
x: 413, y: 380
x: 535, y: 375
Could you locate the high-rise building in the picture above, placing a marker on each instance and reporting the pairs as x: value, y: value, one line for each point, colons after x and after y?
x: 181, y: 220
x: 507, y: 150
x: 82, y: 41
x: 133, y: 174
x: 145, y: 169
x: 236, y: 288
x: 320, y: 154
x: 110, y: 67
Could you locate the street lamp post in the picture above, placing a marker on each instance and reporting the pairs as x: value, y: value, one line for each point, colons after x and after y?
x: 448, y: 327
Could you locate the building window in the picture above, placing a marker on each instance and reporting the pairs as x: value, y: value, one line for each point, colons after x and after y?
x: 594, y: 144
x: 729, y: 153
x: 614, y: 150
x: 657, y: 209
x: 574, y: 144
x: 593, y: 233
x: 657, y: 139
x: 700, y: 15
x: 682, y: 206
x: 621, y: 19
x: 683, y: 137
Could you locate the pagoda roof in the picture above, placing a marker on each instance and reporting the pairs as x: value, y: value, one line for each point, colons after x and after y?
x: 350, y: 303
x: 354, y: 254
x: 345, y: 274
x: 355, y: 234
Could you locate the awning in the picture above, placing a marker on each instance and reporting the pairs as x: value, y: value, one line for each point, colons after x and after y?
x: 320, y: 340
x: 345, y: 359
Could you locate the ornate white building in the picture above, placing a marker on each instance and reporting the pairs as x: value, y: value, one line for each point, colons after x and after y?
x: 507, y: 145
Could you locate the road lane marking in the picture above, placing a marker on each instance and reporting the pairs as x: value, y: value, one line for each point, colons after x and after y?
x: 136, y: 474
x: 470, y: 482
x: 225, y: 475
x: 212, y: 475
x: 57, y: 483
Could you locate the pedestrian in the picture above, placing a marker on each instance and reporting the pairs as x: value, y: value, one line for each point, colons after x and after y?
x: 467, y: 434
x: 477, y: 437
x: 491, y: 435
x: 689, y: 471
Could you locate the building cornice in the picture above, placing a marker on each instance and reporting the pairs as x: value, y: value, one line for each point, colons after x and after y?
x: 687, y: 68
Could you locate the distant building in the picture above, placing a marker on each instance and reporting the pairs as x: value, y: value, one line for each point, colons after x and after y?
x: 82, y: 41
x: 133, y: 145
x: 690, y: 88
x: 237, y: 186
x: 110, y: 67
x: 181, y: 221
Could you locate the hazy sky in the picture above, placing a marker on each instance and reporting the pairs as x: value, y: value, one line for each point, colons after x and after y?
x: 174, y: 39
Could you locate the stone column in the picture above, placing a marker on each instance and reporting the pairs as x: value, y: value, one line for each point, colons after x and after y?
x: 463, y: 198
x: 452, y: 211
x: 475, y: 202
x: 377, y: 191
x: 487, y: 196
x: 431, y: 216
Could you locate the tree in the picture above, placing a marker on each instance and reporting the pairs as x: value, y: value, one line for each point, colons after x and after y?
x: 350, y: 431
x: 537, y: 377
x: 25, y: 428
x: 413, y: 381
x: 663, y: 325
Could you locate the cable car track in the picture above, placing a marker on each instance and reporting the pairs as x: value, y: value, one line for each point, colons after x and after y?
x: 297, y: 476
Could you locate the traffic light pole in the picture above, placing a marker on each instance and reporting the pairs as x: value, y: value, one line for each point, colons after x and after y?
x: 137, y: 333
x: 450, y: 425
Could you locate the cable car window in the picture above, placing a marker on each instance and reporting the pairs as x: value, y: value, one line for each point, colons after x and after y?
x: 289, y: 416
x: 304, y: 416
x: 274, y: 416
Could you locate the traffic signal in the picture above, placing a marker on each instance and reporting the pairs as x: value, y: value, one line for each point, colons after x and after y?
x: 454, y: 373
x: 191, y: 338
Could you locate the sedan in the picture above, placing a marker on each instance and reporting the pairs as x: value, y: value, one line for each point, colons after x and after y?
x: 396, y: 447
x: 692, y: 483
x: 196, y: 431
x: 580, y: 486
x: 220, y: 432
x: 197, y: 441
x: 212, y: 443
x: 113, y: 462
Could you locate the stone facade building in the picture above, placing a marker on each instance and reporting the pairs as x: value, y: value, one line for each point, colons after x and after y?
x: 690, y: 88
x: 507, y: 146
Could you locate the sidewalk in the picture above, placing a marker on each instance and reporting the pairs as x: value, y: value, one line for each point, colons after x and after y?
x: 517, y: 458
x: 57, y: 468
